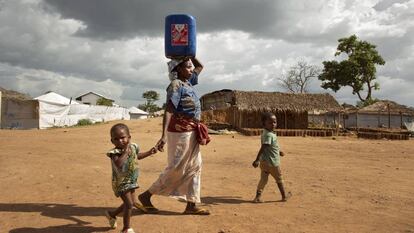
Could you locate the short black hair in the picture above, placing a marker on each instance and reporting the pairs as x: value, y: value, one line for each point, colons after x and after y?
x: 266, y: 116
x: 119, y: 126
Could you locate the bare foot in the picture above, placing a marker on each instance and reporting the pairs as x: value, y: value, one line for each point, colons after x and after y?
x: 288, y: 196
x: 257, y: 200
x: 196, y: 211
x: 146, y: 206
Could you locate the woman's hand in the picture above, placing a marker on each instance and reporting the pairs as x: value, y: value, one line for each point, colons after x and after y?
x: 255, y: 163
x: 153, y: 151
x: 160, y: 144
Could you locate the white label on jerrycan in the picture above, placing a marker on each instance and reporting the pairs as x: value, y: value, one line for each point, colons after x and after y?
x: 179, y: 34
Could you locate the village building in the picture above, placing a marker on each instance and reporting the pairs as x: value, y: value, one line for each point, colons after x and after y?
x: 19, y: 111
x: 92, y: 98
x: 136, y: 113
x: 55, y: 98
x: 243, y: 109
x: 381, y: 114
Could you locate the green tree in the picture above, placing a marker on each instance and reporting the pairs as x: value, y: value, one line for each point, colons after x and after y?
x: 104, y: 101
x: 357, y: 71
x: 150, y: 97
x: 361, y: 104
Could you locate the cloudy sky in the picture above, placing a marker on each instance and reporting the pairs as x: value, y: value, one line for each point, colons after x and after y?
x: 116, y: 47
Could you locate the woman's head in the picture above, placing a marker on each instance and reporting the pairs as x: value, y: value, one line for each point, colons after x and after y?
x: 120, y: 136
x: 269, y: 120
x: 184, y: 69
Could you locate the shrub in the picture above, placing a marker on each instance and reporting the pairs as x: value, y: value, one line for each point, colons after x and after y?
x: 83, y: 122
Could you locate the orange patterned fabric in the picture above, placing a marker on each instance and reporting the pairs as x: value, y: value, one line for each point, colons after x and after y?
x: 180, y: 123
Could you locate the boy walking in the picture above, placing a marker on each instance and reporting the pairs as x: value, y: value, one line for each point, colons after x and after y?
x: 269, y: 157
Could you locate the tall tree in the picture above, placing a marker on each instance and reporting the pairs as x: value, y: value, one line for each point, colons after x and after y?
x: 357, y: 71
x: 150, y: 97
x: 104, y: 102
x: 297, y: 79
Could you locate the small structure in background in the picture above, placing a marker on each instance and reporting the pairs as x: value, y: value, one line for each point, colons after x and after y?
x: 92, y: 98
x: 136, y: 113
x: 243, y: 109
x: 381, y: 114
x: 51, y: 110
x: 58, y: 111
x: 18, y: 111
x: 158, y: 113
x: 52, y: 97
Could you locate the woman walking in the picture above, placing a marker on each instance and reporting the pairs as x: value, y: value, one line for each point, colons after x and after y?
x: 181, y: 177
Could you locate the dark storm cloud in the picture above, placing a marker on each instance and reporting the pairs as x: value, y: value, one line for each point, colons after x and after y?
x: 116, y: 47
x: 108, y: 19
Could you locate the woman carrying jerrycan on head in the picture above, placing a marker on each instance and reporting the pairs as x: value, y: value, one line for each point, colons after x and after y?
x: 181, y: 177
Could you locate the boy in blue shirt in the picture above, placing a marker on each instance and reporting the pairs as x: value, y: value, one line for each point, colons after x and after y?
x: 269, y: 157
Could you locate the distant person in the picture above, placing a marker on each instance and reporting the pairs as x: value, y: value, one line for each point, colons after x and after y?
x: 181, y: 178
x: 124, y: 173
x: 269, y: 157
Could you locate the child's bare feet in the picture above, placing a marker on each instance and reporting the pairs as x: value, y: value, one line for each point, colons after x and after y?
x: 258, y: 198
x: 129, y: 230
x: 111, y: 220
x: 288, y: 195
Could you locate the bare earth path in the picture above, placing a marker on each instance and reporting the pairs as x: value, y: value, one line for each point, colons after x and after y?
x: 58, y: 180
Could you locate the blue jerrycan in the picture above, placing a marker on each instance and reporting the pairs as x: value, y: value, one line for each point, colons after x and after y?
x: 180, y: 36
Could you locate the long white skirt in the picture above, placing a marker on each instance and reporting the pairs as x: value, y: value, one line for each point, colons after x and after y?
x: 181, y: 178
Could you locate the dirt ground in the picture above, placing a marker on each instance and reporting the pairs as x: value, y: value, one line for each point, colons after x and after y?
x: 58, y: 180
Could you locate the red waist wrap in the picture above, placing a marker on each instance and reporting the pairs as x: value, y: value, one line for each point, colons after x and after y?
x: 180, y: 123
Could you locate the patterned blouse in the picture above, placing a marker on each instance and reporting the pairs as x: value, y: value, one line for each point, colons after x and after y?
x: 125, y: 178
x: 184, y: 98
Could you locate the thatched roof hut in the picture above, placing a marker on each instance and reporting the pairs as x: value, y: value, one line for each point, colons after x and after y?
x: 243, y: 108
x: 10, y: 94
x: 385, y: 106
x: 383, y: 113
x: 18, y: 110
x: 285, y: 101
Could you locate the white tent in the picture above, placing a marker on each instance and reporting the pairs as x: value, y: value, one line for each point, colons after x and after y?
x: 57, y: 110
x: 52, y: 97
x: 410, y: 127
x: 136, y: 113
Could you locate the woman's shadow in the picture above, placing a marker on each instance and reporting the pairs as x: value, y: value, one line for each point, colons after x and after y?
x: 226, y: 200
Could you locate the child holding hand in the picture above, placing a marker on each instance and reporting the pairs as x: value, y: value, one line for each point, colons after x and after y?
x: 268, y: 157
x: 125, y: 173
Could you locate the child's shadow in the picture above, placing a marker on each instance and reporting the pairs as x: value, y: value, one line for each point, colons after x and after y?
x: 226, y: 200
x: 69, y: 228
x: 60, y: 211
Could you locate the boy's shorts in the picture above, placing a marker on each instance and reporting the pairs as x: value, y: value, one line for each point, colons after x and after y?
x: 272, y: 170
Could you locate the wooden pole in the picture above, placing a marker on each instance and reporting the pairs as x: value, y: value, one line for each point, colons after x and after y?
x: 389, y: 116
x: 356, y: 120
x: 0, y: 110
x: 337, y: 125
x: 379, y: 119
